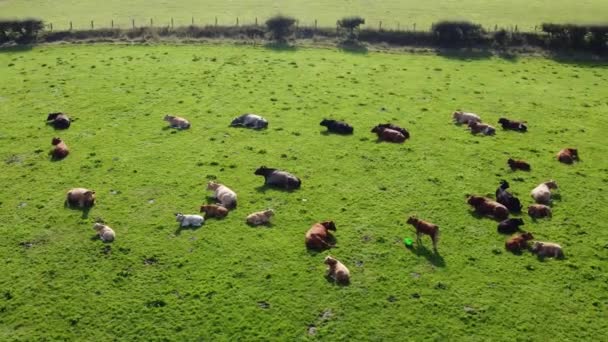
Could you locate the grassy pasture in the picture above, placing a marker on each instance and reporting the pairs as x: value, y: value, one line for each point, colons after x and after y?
x: 524, y: 13
x: 227, y: 281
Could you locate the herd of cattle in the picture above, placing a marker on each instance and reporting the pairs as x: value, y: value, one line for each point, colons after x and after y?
x: 318, y: 237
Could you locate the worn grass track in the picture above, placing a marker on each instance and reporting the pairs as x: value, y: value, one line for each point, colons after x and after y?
x: 393, y: 13
x: 227, y: 281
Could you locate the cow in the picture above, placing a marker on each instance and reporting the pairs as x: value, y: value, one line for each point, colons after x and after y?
x: 506, y: 198
x: 568, y: 155
x: 390, y: 135
x: 510, y: 226
x: 249, y: 121
x: 478, y: 127
x: 80, y: 198
x: 260, y: 217
x: 277, y: 178
x: 338, y: 127
x: 58, y: 120
x: 212, y: 210
x: 189, y: 220
x: 105, y: 233
x: 539, y: 211
x: 486, y: 206
x: 399, y: 129
x: 518, y: 242
x: 507, y: 124
x: 518, y: 165
x: 337, y: 271
x: 547, y: 249
x: 318, y: 236
x: 225, y: 196
x: 60, y: 150
x: 465, y: 118
x: 177, y: 122
x: 426, y: 228
x: 542, y: 193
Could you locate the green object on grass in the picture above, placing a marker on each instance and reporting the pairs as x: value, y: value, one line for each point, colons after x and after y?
x: 408, y: 242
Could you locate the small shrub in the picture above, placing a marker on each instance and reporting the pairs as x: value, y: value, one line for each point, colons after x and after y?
x: 457, y: 32
x: 280, y: 27
x: 350, y: 25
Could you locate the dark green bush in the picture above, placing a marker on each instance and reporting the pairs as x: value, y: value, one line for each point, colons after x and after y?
x: 451, y: 33
x: 20, y: 31
x: 280, y: 27
x: 350, y: 25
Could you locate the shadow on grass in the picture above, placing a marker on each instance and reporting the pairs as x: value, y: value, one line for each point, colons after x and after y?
x: 17, y: 48
x: 579, y: 59
x: 331, y: 239
x: 354, y: 47
x: 179, y: 229
x: 263, y: 188
x: 280, y: 47
x: 85, y: 211
x: 263, y: 225
x: 337, y: 283
x: 465, y: 54
x: 433, y: 257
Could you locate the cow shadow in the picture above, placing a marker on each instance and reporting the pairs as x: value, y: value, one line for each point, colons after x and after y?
x: 179, y: 229
x: 263, y: 225
x: 331, y: 280
x: 84, y: 211
x: 263, y: 188
x: 314, y: 251
x: 433, y: 257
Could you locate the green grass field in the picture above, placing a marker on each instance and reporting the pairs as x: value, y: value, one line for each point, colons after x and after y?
x: 227, y: 281
x: 393, y: 13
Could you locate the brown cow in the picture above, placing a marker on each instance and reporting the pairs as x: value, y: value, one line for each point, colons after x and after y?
x: 318, y: 236
x: 539, y: 211
x: 518, y: 242
x: 337, y: 271
x: 478, y: 127
x: 568, y: 155
x: 81, y: 198
x: 513, y: 125
x: 518, y: 165
x: 58, y: 120
x: 486, y: 206
x: 424, y: 227
x: 213, y: 210
x: 60, y: 150
x: 387, y: 134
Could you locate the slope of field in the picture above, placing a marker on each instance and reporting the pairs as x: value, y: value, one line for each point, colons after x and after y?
x: 403, y: 13
x: 227, y: 281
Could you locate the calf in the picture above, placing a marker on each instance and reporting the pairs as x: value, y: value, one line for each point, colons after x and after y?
x: 58, y: 120
x: 539, y: 211
x: 60, y: 150
x: 387, y: 134
x: 80, y: 197
x: 485, y: 129
x: 542, y: 193
x: 568, y: 155
x: 260, y: 217
x: 338, y: 127
x: 547, y: 249
x: 177, y: 122
x: 337, y: 271
x: 189, y: 220
x: 250, y: 121
x: 213, y: 210
x: 401, y: 130
x: 106, y: 234
x: 510, y: 226
x: 486, y: 206
x: 506, y: 198
x: 278, y: 178
x: 518, y: 165
x: 427, y: 228
x: 465, y: 118
x: 518, y: 242
x: 225, y: 196
x: 318, y: 236
x: 513, y: 125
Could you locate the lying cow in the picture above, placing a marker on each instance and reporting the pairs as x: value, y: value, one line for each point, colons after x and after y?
x: 80, y: 198
x: 399, y: 129
x: 318, y: 236
x: 189, y: 220
x: 542, y: 193
x: 547, y: 249
x: 507, y: 124
x: 485, y: 129
x: 510, y: 226
x: 506, y: 198
x: 278, y: 178
x: 260, y: 217
x: 213, y: 210
x: 58, y: 120
x: 568, y: 155
x: 225, y: 196
x: 177, y: 122
x: 249, y: 121
x: 518, y: 242
x: 337, y: 271
x: 465, y: 118
x: 106, y: 234
x: 60, y: 150
x: 338, y: 127
x: 485, y: 206
x: 539, y: 211
x: 518, y: 165
x: 387, y: 134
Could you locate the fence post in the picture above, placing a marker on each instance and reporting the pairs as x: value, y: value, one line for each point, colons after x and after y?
x: 70, y: 26
x: 51, y: 25
x: 133, y: 22
x: 151, y: 22
x: 380, y: 25
x: 237, y: 21
x: 256, y: 21
x: 192, y: 21
x: 495, y: 28
x: 414, y: 27
x: 92, y: 26
x: 398, y: 26
x: 112, y: 23
x: 315, y: 24
x: 171, y: 22
x: 215, y: 21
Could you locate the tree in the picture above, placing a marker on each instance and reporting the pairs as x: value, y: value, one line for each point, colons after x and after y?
x: 350, y: 24
x: 280, y: 27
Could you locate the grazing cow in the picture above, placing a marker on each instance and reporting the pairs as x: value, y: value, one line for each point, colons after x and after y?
x: 250, y: 121
x: 177, y: 122
x: 401, y: 130
x: 106, y: 234
x: 568, y: 155
x: 387, y: 134
x: 189, y: 220
x: 539, y: 211
x: 337, y: 271
x: 213, y: 210
x: 478, y: 127
x: 60, y: 150
x: 427, y: 228
x: 81, y: 198
x: 518, y: 165
x: 58, y: 120
x: 338, y: 127
x: 510, y: 226
x: 225, y: 196
x: 318, y: 236
x: 506, y: 198
x: 542, y: 193
x: 507, y: 124
x: 547, y: 249
x: 260, y: 217
x: 518, y: 242
x: 278, y: 178
x: 486, y: 206
x: 465, y: 118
